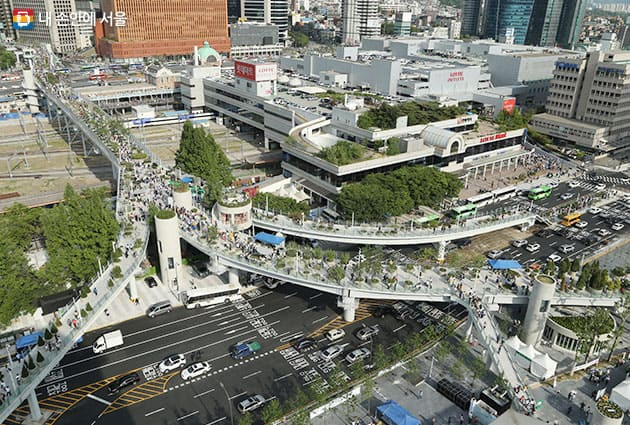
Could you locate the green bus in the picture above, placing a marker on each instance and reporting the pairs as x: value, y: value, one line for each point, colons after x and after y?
x: 427, y: 219
x: 463, y: 212
x: 540, y: 192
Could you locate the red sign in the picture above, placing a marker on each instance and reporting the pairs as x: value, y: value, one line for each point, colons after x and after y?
x: 256, y: 71
x: 455, y: 76
x: 508, y: 105
x: 498, y: 136
x: 245, y: 70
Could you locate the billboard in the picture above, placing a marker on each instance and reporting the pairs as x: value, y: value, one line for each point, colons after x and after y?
x: 256, y: 71
x: 509, y: 104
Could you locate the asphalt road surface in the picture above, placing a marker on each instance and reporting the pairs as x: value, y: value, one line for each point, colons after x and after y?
x: 77, y: 389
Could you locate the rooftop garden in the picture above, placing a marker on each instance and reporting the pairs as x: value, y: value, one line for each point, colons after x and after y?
x: 281, y: 204
x: 608, y: 408
x: 578, y: 324
x: 343, y: 153
x: 385, y: 115
x: 165, y: 214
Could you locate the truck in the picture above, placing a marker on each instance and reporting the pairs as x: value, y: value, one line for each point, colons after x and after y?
x: 244, y: 349
x: 107, y: 340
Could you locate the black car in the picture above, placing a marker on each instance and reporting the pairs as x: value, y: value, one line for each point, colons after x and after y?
x: 201, y: 270
x: 304, y: 343
x: 543, y: 233
x: 462, y: 243
x: 150, y: 281
x: 383, y: 310
x: 123, y: 382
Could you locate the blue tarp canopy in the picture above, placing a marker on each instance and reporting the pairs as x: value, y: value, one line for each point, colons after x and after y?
x: 504, y: 264
x: 394, y: 414
x: 28, y: 340
x: 269, y: 238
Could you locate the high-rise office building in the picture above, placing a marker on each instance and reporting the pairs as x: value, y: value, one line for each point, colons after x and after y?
x: 268, y: 12
x: 473, y: 17
x: 504, y: 14
x: 402, y: 23
x: 571, y: 22
x: 555, y: 22
x: 162, y: 27
x: 233, y: 11
x: 6, y: 21
x: 587, y: 102
x: 359, y: 19
x: 62, y: 35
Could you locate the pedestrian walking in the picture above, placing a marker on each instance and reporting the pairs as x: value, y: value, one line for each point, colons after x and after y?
x: 461, y: 419
x: 420, y: 394
x: 95, y: 291
x: 569, y: 410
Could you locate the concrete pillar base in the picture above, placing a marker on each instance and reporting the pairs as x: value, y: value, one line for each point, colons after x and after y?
x: 33, y: 405
x: 233, y: 276
x: 441, y: 255
x: 349, y: 305
x: 469, y: 327
x: 132, y: 287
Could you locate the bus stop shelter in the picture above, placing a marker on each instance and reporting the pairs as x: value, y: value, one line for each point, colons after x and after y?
x: 504, y: 264
x: 393, y: 413
x: 269, y: 239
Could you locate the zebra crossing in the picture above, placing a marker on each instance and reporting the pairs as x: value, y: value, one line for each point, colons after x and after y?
x: 609, y: 180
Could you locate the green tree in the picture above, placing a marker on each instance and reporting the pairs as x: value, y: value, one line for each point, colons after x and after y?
x: 299, y: 39
x: 458, y: 370
x: 387, y: 28
x: 271, y: 411
x: 40, y: 358
x: 301, y: 418
x: 246, y: 419
x: 478, y: 368
x: 199, y: 154
x: 342, y: 153
x: 336, y: 273
x: 551, y: 268
x: 398, y: 351
x: 622, y: 310
x: 442, y: 351
x: 24, y: 371
x: 30, y: 363
x: 7, y: 58
x: 357, y: 370
x: 380, y: 358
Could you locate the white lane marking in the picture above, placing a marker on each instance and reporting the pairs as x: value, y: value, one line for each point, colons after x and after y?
x: 319, y: 320
x: 282, y: 377
x: 93, y: 397
x: 188, y: 415
x: 235, y: 330
x: 553, y: 243
x: 252, y: 374
x: 310, y: 309
x: 216, y: 421
x: 238, y: 395
x: 153, y: 412
x: 292, y: 336
x: 204, y: 393
x: 399, y: 328
x: 290, y: 295
x: 315, y: 296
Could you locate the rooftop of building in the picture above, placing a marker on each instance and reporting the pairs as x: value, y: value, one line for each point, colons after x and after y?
x: 96, y: 91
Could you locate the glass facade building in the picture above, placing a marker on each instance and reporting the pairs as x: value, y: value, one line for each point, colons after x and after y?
x: 504, y: 14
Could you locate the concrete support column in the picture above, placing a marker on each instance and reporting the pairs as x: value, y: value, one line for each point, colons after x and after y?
x: 349, y: 305
x: 266, y: 143
x: 132, y: 288
x: 484, y: 169
x: 492, y: 171
x: 233, y: 276
x: 469, y: 326
x: 476, y: 171
x: 543, y: 289
x: 33, y: 405
x: 441, y: 255
x: 169, y: 252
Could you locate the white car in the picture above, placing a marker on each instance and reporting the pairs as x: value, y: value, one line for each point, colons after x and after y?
x: 554, y: 258
x: 251, y: 403
x: 335, y: 335
x: 494, y: 254
x: 519, y: 243
x: 196, y: 369
x: 566, y: 196
x: 367, y: 332
x: 594, y: 210
x: 358, y: 354
x: 553, y: 184
x: 533, y: 247
x: 573, y: 184
x: 603, y: 232
x: 617, y: 226
x: 172, y: 362
x: 581, y: 224
x: 600, y: 186
x: 331, y: 352
x: 566, y: 248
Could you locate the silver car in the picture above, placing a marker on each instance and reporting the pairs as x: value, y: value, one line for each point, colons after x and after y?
x: 358, y: 354
x: 251, y: 403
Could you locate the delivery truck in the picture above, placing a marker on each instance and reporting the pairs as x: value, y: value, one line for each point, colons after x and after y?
x: 107, y: 340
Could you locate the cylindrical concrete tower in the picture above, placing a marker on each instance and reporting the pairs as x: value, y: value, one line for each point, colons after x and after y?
x: 607, y: 413
x: 182, y: 197
x: 233, y: 212
x: 169, y: 252
x: 539, y: 302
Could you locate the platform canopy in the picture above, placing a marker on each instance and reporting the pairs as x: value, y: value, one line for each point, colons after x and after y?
x: 504, y: 264
x: 268, y: 238
x: 394, y: 414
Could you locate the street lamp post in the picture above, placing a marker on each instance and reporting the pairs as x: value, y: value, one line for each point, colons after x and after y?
x: 227, y: 396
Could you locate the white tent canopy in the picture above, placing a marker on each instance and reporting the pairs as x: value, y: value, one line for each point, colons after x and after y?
x: 621, y: 395
x: 525, y: 355
x: 543, y: 366
x: 514, y: 343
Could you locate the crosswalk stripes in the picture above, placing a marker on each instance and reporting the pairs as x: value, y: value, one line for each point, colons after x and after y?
x: 617, y: 181
x: 140, y: 393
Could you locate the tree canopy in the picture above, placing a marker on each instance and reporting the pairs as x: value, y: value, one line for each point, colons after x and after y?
x: 512, y: 121
x: 385, y: 115
x: 280, y: 204
x: 199, y: 154
x: 342, y: 153
x: 7, y: 58
x: 299, y: 38
x: 382, y: 195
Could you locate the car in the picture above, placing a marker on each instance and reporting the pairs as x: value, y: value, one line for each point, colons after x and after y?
x: 124, y: 382
x: 533, y: 247
x: 553, y: 184
x: 603, y: 232
x: 494, y: 254
x: 367, y: 332
x: 573, y: 184
x: 594, y: 210
x: 581, y: 224
x: 251, y: 403
x: 331, y: 352
x: 554, y: 258
x: 335, y: 335
x: 358, y: 354
x: 519, y: 243
x: 617, y: 226
x: 383, y: 310
x: 172, y: 362
x: 196, y: 369
x: 201, y: 270
x: 462, y: 243
x: 567, y: 195
x: 566, y: 248
x: 150, y: 281
x: 304, y: 343
x: 543, y: 233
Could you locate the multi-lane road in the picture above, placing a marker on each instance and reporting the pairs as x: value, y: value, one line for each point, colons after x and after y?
x: 77, y: 388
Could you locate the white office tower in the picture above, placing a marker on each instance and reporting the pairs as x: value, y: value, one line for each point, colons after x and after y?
x: 268, y: 12
x: 61, y: 34
x: 359, y: 19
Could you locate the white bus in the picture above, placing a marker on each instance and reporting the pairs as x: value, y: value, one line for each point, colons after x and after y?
x: 504, y: 193
x: 203, y: 297
x: 481, y: 200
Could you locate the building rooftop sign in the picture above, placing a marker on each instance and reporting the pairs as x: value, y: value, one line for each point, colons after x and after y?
x: 256, y: 71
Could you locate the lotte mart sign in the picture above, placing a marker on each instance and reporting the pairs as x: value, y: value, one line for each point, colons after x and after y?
x: 256, y: 71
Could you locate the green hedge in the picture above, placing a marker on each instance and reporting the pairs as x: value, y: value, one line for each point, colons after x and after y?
x: 342, y: 153
x: 165, y: 214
